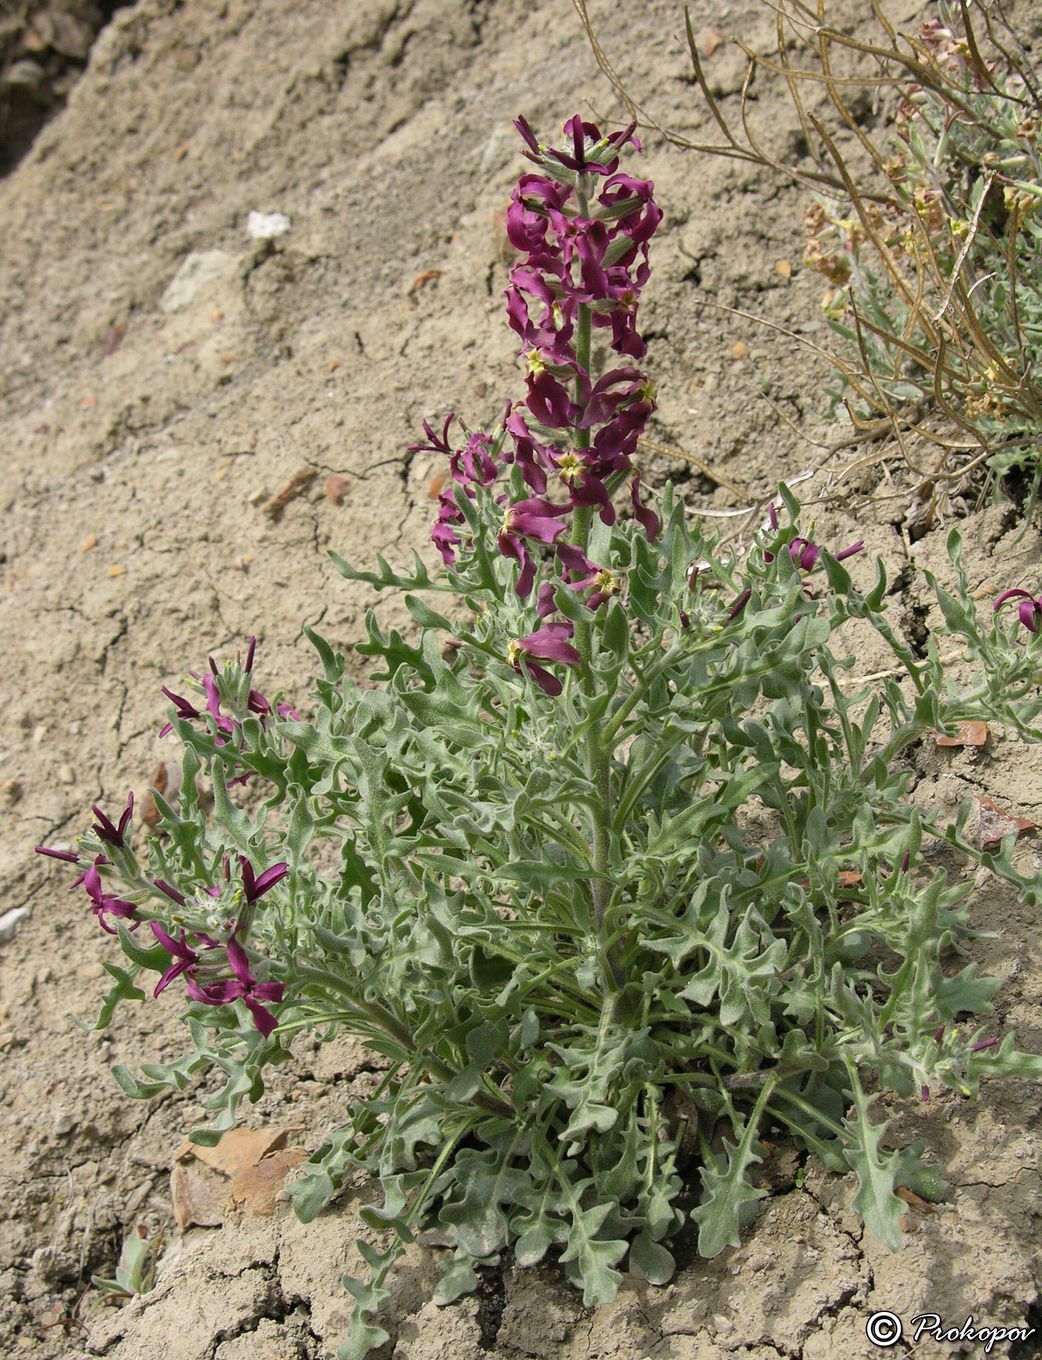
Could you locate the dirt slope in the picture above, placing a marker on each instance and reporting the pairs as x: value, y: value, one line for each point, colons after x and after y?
x: 164, y: 375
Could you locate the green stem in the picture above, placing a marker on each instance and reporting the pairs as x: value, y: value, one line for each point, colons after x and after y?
x: 597, y: 760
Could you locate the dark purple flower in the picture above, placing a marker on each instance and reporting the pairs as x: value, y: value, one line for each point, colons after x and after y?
x: 1029, y: 609
x: 648, y: 520
x: 244, y: 987
x: 589, y: 489
x: 184, y: 709
x: 172, y: 893
x: 580, y: 133
x: 525, y: 128
x: 534, y: 518
x: 67, y: 855
x: 621, y: 387
x: 616, y: 442
x: 602, y: 580
x: 576, y: 157
x: 107, y: 904
x: 435, y: 443
x: 474, y: 463
x: 185, y: 957
x: 739, y: 604
x: 548, y: 643
x: 531, y: 457
x: 550, y: 403
x: 630, y: 202
x: 213, y: 706
x: 109, y: 832
x: 256, y: 703
x: 804, y: 554
x: 443, y: 535
x: 257, y: 885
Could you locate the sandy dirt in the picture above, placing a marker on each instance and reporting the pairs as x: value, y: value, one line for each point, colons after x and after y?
x: 164, y: 376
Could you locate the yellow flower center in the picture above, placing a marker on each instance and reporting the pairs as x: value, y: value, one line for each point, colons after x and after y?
x: 569, y: 467
x: 513, y: 652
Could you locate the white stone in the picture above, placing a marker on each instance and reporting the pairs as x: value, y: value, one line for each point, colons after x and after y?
x: 10, y: 921
x: 266, y: 226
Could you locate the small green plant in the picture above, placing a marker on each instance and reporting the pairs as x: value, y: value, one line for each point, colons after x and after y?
x: 136, y: 1271
x: 616, y: 867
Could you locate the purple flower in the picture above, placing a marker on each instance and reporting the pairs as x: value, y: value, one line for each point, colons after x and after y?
x: 109, y: 832
x: 589, y: 265
x: 534, y: 518
x: 184, y: 956
x: 256, y: 886
x: 582, y: 574
x: 531, y: 457
x: 1029, y: 609
x: 172, y: 893
x: 107, y: 904
x: 213, y: 705
x: 549, y: 643
x: 580, y: 133
x: 588, y: 489
x: 184, y: 709
x: 244, y: 987
x: 648, y: 520
x: 739, y: 604
x: 550, y: 403
x: 443, y: 535
x: 67, y: 855
x: 226, y: 724
x: 474, y: 463
x: 804, y: 554
x: 435, y: 443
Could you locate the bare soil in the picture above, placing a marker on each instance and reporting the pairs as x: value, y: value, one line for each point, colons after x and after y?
x: 164, y: 376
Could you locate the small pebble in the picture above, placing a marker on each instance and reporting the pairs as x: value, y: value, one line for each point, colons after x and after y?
x: 262, y: 226
x: 66, y: 774
x: 336, y: 488
x: 89, y: 970
x: 63, y: 1124
x: 10, y: 921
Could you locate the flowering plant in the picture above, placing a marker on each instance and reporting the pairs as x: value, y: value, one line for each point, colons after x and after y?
x: 616, y: 869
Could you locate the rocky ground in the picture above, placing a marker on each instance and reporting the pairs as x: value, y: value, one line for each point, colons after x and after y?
x: 166, y: 376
